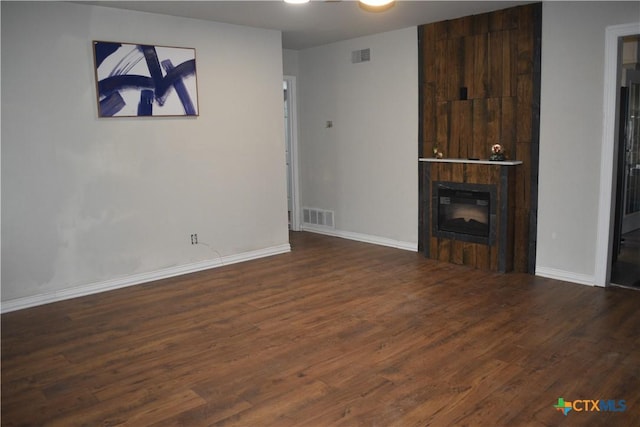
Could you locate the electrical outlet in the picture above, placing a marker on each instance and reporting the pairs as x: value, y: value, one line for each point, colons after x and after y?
x: 194, y: 239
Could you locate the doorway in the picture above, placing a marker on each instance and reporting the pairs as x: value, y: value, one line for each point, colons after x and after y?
x: 605, y: 246
x: 291, y: 151
x: 625, y: 267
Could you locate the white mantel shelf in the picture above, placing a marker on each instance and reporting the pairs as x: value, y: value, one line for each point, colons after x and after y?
x: 477, y: 162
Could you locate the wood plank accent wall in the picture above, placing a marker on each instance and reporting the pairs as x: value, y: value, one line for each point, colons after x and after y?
x: 494, y: 58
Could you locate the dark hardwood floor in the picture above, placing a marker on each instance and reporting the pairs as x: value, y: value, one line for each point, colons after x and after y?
x: 335, y: 333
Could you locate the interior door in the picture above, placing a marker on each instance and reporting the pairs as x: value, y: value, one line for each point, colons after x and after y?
x: 631, y: 161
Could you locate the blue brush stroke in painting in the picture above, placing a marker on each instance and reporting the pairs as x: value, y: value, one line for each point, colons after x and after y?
x: 181, y: 71
x: 103, y: 50
x: 111, y: 104
x: 155, y: 88
x: 154, y: 66
x: 109, y: 85
x: 127, y: 63
x: 181, y: 89
x: 145, y: 107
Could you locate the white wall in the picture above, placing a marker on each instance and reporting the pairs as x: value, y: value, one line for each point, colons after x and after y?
x: 290, y: 62
x: 88, y: 200
x: 365, y: 167
x: 571, y: 118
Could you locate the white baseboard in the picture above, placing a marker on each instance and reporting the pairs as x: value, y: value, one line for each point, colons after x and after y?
x: 566, y: 276
x: 367, y: 238
x: 137, y: 279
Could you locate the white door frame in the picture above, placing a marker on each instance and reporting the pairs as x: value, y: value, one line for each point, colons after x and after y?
x: 293, y: 151
x: 606, y: 205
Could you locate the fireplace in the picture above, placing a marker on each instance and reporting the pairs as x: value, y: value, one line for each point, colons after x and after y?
x: 469, y: 212
x: 463, y: 211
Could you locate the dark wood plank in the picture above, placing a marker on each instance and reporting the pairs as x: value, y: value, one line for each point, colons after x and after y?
x: 481, y: 66
x: 469, y: 254
x: 483, y: 257
x: 442, y: 127
x: 461, y: 128
x: 521, y: 239
x: 524, y: 108
x: 433, y: 242
x: 455, y: 68
x: 504, y: 19
x: 496, y: 66
x: 457, y: 252
x: 460, y: 27
x: 509, y: 62
x: 442, y: 69
x: 508, y: 127
x: 522, y: 179
x: 469, y: 67
x: 428, y: 115
x: 526, y: 39
x: 457, y: 169
x: 494, y: 124
x: 441, y: 30
x: 481, y: 23
x: 444, y: 250
x: 428, y: 48
x: 479, y: 143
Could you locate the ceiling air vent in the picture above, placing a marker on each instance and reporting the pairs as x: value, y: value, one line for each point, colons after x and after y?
x: 363, y: 55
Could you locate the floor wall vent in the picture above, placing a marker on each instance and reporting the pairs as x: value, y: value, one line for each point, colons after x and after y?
x: 318, y: 217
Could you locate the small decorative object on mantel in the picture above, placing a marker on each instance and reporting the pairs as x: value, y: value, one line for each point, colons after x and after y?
x: 436, y: 153
x: 497, y: 154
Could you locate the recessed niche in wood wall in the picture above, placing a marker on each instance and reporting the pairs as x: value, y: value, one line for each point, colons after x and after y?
x: 479, y: 86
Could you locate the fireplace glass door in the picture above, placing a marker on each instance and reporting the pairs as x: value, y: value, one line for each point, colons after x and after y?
x: 463, y: 211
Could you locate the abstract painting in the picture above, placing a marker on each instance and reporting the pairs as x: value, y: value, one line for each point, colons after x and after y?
x: 135, y: 80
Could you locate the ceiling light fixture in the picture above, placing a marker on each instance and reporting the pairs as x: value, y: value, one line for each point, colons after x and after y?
x: 376, y: 5
x: 296, y: 1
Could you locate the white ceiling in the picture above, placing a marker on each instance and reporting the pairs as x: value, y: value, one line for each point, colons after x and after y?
x: 318, y: 22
